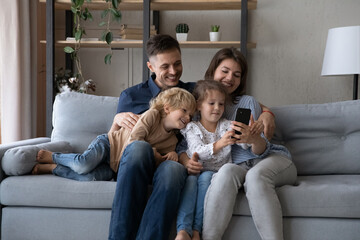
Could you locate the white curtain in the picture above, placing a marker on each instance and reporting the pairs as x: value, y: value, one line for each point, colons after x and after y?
x: 18, y: 69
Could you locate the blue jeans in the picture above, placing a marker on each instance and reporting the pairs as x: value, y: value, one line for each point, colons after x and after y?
x: 191, y: 209
x: 91, y: 165
x: 133, y: 215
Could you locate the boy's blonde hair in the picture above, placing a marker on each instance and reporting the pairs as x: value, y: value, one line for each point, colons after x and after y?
x: 175, y: 98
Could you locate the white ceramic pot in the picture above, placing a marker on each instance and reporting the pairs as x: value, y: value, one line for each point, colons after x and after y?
x: 181, y: 37
x: 214, y: 36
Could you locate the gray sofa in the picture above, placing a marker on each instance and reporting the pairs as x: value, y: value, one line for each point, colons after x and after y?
x: 324, y: 140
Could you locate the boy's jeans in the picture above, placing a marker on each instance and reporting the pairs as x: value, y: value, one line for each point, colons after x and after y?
x: 191, y: 209
x: 133, y: 215
x: 91, y: 165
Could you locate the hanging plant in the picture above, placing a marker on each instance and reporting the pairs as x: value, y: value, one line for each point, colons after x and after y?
x: 83, y: 14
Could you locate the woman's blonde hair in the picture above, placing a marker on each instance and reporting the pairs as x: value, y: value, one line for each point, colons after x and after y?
x: 175, y: 98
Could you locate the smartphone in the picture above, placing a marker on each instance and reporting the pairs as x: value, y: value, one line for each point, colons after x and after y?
x: 243, y: 116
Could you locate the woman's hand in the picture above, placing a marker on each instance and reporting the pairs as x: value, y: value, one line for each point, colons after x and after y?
x: 126, y: 120
x: 171, y: 156
x: 269, y: 123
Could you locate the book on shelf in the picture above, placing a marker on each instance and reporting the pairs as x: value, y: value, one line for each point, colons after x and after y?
x: 134, y: 26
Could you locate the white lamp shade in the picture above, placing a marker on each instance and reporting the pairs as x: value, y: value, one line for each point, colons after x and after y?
x: 342, y: 52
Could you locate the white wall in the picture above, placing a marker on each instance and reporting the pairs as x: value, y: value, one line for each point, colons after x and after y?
x: 285, y: 67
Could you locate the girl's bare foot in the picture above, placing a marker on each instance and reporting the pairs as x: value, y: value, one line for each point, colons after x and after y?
x: 196, y: 235
x: 44, y: 156
x: 182, y: 235
x: 43, y: 169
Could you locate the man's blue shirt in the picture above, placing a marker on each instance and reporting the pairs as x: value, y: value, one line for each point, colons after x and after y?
x: 136, y: 99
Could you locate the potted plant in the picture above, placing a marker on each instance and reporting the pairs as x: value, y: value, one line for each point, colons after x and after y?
x: 215, y: 34
x: 182, y: 30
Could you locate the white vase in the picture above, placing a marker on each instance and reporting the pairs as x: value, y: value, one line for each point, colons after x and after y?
x: 181, y: 37
x: 214, y: 36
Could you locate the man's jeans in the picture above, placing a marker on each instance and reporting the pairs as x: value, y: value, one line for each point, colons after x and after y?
x: 191, y: 209
x: 134, y: 216
x: 91, y: 165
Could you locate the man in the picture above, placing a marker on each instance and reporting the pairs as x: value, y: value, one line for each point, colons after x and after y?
x: 134, y: 215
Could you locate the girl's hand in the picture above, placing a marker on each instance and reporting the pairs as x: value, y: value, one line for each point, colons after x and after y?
x: 225, y: 140
x: 249, y: 134
x: 171, y: 156
x: 158, y: 158
x: 191, y: 164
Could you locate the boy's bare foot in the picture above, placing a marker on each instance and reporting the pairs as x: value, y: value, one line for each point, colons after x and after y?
x: 182, y: 235
x: 43, y: 169
x: 196, y: 235
x: 44, y: 156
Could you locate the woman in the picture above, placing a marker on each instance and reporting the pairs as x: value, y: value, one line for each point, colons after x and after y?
x: 259, y: 176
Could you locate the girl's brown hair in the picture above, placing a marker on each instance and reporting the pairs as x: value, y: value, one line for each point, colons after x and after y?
x: 236, y: 55
x: 203, y: 86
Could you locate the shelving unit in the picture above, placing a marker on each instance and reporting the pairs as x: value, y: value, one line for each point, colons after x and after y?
x: 146, y: 6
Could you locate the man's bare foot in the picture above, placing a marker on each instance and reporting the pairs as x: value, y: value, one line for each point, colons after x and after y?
x: 44, y: 156
x: 43, y: 169
x: 196, y: 235
x: 182, y: 235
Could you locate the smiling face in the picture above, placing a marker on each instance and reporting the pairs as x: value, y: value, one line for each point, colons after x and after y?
x: 167, y: 67
x: 176, y: 118
x: 211, y: 108
x: 229, y: 74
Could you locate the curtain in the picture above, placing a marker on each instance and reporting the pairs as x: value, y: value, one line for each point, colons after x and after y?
x: 18, y: 69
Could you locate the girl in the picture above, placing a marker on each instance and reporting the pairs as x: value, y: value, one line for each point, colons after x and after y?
x: 169, y: 111
x: 211, y: 139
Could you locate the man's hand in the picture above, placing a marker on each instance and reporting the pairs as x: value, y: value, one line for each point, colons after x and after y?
x: 126, y: 120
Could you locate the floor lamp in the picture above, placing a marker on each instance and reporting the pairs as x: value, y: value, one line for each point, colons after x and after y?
x: 342, y: 54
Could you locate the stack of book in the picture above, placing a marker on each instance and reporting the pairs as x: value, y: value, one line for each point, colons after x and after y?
x: 128, y: 31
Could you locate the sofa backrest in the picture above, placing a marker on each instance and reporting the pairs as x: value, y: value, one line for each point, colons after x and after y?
x: 78, y: 118
x: 322, y: 138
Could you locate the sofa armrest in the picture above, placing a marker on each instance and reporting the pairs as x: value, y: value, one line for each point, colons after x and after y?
x: 7, y: 146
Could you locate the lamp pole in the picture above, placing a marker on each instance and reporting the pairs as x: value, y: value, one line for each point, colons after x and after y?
x: 355, y: 91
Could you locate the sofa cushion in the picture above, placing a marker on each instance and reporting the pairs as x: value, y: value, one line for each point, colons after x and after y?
x: 322, y: 138
x: 335, y: 196
x: 53, y: 191
x: 21, y: 160
x: 78, y: 118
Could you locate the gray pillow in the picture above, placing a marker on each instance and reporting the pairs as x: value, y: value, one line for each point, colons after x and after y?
x: 21, y: 160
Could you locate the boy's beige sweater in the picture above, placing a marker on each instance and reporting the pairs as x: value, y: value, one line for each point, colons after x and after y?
x: 148, y: 128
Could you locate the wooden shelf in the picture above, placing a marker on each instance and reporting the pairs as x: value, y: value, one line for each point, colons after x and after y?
x: 163, y: 4
x: 139, y: 44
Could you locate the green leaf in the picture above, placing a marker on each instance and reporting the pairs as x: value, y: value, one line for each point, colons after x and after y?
x: 115, y: 4
x: 104, y: 13
x: 78, y: 34
x: 79, y: 3
x: 115, y: 12
x: 107, y: 58
x: 109, y: 37
x: 73, y: 9
x: 102, y: 24
x: 68, y: 49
